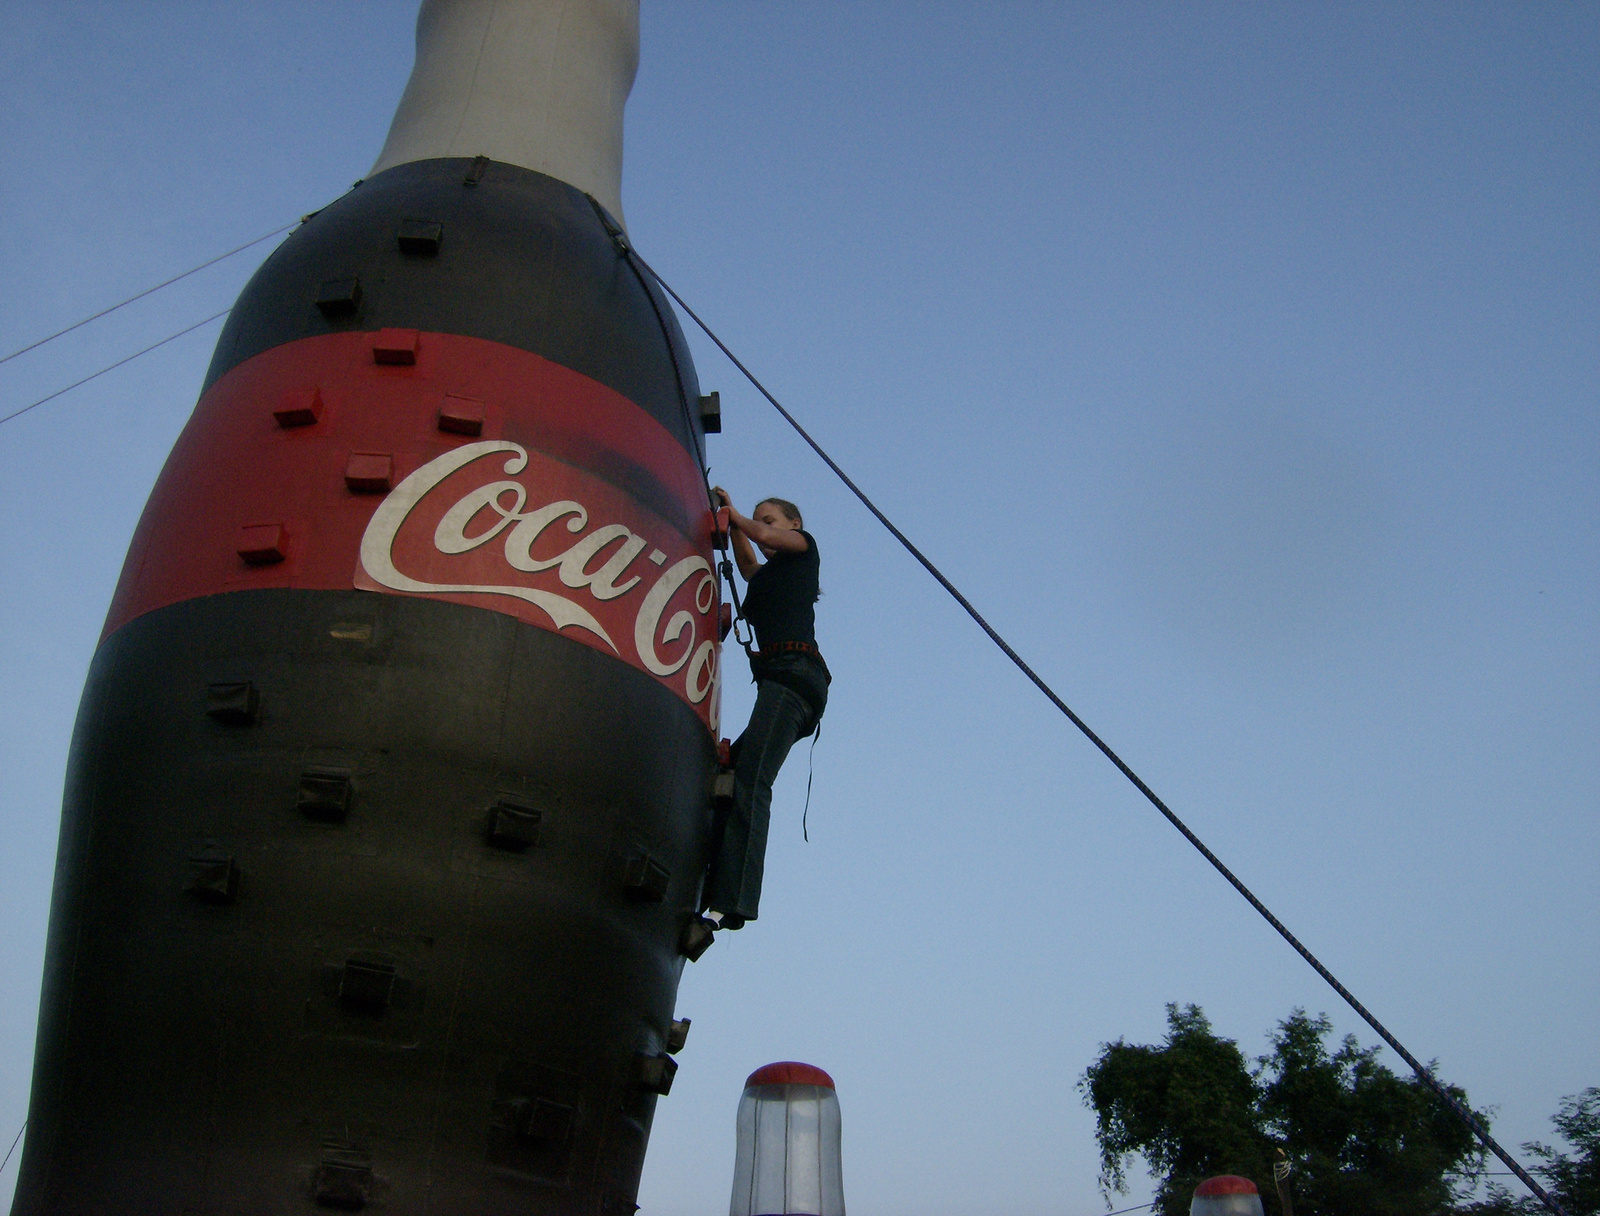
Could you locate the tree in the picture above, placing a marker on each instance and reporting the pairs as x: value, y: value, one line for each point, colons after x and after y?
x: 1188, y: 1107
x: 1573, y: 1182
x: 1363, y: 1141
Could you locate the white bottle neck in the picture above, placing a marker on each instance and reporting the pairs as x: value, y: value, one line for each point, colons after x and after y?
x: 536, y: 83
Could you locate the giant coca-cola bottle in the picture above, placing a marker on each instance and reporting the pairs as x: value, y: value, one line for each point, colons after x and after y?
x: 388, y: 798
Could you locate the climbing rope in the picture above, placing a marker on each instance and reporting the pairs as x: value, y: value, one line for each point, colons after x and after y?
x: 645, y: 276
x: 1423, y: 1073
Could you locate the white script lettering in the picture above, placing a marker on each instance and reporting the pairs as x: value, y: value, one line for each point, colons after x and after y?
x: 498, y: 507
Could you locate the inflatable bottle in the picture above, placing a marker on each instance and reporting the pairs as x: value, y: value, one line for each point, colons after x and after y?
x: 388, y: 796
x: 788, y: 1160
x: 1226, y: 1195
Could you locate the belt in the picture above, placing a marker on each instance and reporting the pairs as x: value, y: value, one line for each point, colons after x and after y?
x: 777, y: 648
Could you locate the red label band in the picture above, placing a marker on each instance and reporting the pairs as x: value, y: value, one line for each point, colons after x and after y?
x: 478, y: 473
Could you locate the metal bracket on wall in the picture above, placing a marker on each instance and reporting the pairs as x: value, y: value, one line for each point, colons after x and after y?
x: 711, y: 413
x: 343, y: 1178
x: 513, y: 825
x: 234, y: 703
x: 677, y: 1035
x: 654, y: 1073
x: 213, y: 877
x: 324, y: 794
x: 645, y: 880
x: 366, y: 987
x: 420, y: 237
x: 339, y: 298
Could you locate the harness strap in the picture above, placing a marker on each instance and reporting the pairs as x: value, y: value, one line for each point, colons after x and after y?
x: 811, y: 771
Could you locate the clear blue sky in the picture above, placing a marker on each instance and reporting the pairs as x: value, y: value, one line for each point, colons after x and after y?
x: 1241, y: 361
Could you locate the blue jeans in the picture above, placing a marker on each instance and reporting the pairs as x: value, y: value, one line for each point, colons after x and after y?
x: 781, y: 716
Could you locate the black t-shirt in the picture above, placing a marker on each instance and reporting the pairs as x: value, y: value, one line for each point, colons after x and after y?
x: 780, y: 601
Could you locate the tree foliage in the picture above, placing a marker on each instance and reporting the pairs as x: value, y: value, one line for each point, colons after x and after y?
x: 1573, y: 1181
x: 1189, y: 1107
x: 1362, y: 1141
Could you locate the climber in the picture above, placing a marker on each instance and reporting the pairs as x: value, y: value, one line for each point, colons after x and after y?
x: 791, y: 693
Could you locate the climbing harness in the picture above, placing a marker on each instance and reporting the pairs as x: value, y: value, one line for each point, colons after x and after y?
x: 769, y: 652
x: 725, y: 566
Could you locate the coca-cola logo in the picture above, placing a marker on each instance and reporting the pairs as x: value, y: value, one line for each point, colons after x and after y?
x: 456, y: 528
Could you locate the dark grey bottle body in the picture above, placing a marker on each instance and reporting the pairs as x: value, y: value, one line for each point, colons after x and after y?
x: 370, y: 900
